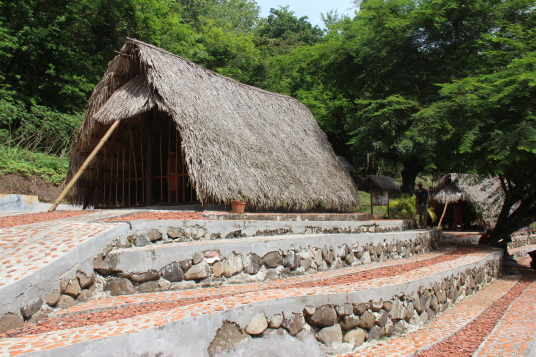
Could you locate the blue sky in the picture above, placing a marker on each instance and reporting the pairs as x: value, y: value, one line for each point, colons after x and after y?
x: 309, y: 8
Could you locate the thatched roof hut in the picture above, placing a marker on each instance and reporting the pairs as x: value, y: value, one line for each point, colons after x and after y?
x: 485, y: 194
x: 379, y: 183
x: 189, y: 134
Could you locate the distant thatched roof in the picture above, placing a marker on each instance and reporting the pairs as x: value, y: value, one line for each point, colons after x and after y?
x: 237, y: 139
x: 485, y: 193
x: 379, y: 182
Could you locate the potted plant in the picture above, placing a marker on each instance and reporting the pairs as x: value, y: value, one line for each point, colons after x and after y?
x: 239, y: 205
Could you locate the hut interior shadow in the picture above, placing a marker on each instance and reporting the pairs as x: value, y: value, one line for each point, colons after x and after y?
x: 142, y: 165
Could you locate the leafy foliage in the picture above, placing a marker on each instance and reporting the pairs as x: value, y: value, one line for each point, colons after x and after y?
x: 36, y: 127
x: 490, y: 118
x: 282, y: 24
x: 28, y: 163
x: 405, y: 207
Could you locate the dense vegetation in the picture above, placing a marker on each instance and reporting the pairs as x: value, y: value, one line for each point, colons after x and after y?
x: 402, y: 87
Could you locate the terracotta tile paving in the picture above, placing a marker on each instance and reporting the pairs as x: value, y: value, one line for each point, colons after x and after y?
x: 28, y: 247
x: 152, y: 320
x: 444, y: 325
x: 515, y: 333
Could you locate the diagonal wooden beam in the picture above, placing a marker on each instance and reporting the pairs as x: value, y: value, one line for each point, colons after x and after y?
x: 84, y: 166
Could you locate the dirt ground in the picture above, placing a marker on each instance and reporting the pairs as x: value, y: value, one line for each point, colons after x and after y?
x: 35, y: 186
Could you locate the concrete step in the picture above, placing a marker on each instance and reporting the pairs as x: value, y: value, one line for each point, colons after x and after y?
x: 116, y: 302
x: 228, y: 261
x: 520, y: 238
x: 289, y: 216
x: 43, y: 258
x: 494, y: 322
x: 287, y: 320
x: 514, y: 334
x: 443, y: 327
x: 522, y: 250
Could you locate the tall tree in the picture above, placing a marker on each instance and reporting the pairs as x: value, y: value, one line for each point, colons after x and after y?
x: 58, y: 45
x: 283, y: 24
x: 385, y: 64
x: 490, y: 118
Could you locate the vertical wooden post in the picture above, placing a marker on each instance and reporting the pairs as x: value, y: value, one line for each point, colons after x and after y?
x: 371, y: 206
x: 388, y: 200
x: 84, y: 166
x: 149, y: 159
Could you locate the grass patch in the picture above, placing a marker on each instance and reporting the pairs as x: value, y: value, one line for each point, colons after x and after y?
x: 364, y: 206
x: 24, y: 162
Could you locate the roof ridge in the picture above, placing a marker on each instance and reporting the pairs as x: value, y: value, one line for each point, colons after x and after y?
x: 135, y: 41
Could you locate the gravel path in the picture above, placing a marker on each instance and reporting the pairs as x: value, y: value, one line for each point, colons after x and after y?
x: 22, y: 219
x: 175, y: 215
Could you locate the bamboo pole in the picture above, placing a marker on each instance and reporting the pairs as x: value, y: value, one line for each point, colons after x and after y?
x: 91, y: 192
x: 84, y: 166
x: 442, y: 216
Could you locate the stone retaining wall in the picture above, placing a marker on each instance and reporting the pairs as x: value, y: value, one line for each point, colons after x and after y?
x: 342, y: 328
x: 67, y: 278
x: 162, y: 232
x: 191, y: 265
x: 306, y: 321
x: 522, y: 238
x: 293, y: 216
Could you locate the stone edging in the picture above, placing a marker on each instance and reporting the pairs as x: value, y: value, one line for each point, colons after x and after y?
x: 191, y: 264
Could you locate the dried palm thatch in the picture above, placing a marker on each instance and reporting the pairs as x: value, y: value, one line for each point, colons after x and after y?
x: 237, y: 139
x: 379, y: 182
x: 483, y: 192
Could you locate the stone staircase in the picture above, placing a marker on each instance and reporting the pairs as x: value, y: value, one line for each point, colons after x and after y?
x: 270, y: 287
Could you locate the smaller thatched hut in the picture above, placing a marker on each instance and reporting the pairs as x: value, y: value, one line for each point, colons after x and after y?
x: 467, y: 200
x: 374, y: 182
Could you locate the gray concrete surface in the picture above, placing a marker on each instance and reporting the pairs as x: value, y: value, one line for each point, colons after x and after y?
x: 28, y: 289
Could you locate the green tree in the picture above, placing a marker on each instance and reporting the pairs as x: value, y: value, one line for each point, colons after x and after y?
x: 283, y: 24
x: 59, y: 45
x: 385, y: 64
x: 490, y: 118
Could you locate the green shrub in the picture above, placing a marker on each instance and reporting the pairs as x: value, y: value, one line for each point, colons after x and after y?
x: 35, y: 127
x: 405, y: 207
x: 23, y: 162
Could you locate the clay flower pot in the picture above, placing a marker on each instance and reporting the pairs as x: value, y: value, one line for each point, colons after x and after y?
x: 238, y: 206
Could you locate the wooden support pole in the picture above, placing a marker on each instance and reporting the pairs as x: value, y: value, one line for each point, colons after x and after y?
x: 443, y: 215
x: 149, y: 160
x: 84, y: 166
x: 91, y: 192
x: 388, y: 201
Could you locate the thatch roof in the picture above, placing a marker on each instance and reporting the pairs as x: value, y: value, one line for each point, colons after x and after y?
x: 237, y: 139
x: 379, y: 182
x: 483, y: 192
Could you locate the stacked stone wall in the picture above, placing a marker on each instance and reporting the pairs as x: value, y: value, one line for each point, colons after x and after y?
x: 346, y: 327
x: 210, y: 269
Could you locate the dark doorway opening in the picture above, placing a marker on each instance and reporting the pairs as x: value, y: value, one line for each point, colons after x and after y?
x: 143, y: 165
